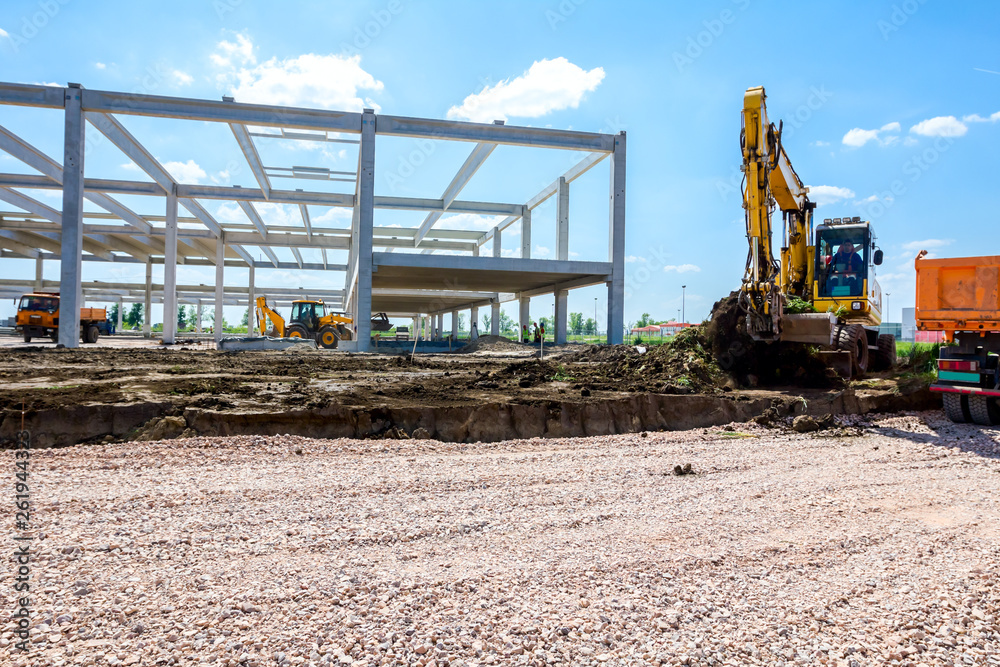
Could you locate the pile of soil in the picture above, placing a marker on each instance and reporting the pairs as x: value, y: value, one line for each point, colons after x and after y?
x: 492, y: 344
x: 753, y: 363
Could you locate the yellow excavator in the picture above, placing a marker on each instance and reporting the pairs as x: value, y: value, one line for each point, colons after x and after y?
x: 309, y: 319
x: 823, y: 291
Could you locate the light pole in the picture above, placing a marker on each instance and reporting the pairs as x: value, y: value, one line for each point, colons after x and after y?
x: 683, y: 309
x: 887, y: 295
x: 595, y: 315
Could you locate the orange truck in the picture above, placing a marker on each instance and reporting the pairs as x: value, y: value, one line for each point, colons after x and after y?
x: 961, y: 297
x: 38, y: 317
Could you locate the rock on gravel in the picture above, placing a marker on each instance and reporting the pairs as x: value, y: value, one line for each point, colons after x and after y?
x: 875, y: 543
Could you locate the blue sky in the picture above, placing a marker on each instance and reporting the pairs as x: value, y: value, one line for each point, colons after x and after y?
x: 890, y: 113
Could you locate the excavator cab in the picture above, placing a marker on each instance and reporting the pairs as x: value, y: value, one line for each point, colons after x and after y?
x: 308, y: 314
x: 846, y: 257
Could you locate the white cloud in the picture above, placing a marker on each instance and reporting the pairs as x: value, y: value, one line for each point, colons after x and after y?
x: 474, y: 222
x: 4, y: 33
x: 181, y: 78
x: 820, y: 144
x: 910, y: 141
x: 682, y: 268
x: 927, y: 244
x: 100, y: 66
x: 310, y: 80
x: 858, y: 137
x: 976, y: 118
x: 131, y: 166
x: 47, y: 83
x: 631, y: 259
x: 230, y: 54
x: 548, y: 85
x: 541, y: 251
x: 941, y: 126
x: 829, y: 194
x: 185, y: 172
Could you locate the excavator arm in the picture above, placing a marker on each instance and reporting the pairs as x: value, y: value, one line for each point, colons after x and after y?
x: 263, y: 312
x: 771, y: 183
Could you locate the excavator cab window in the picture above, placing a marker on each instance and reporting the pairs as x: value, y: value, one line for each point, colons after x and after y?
x: 308, y: 314
x: 842, y: 261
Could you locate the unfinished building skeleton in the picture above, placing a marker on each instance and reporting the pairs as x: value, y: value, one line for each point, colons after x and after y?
x: 415, y: 283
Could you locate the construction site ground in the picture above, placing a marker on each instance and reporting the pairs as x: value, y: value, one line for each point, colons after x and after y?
x: 493, y: 390
x: 872, y: 542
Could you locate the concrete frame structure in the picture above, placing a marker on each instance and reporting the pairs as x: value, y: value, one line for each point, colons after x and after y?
x: 403, y: 284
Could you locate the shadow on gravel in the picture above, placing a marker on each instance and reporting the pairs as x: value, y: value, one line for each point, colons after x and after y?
x: 969, y: 438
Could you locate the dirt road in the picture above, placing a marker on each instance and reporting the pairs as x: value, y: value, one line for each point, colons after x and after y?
x: 856, y: 546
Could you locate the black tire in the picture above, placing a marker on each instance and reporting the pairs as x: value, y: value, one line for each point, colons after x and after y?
x: 91, y: 333
x: 296, y: 331
x: 884, y: 358
x: 328, y: 338
x: 956, y: 407
x: 27, y: 337
x: 984, y: 410
x: 853, y: 338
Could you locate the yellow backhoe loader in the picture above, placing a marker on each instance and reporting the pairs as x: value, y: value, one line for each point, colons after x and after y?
x: 833, y: 275
x: 309, y: 319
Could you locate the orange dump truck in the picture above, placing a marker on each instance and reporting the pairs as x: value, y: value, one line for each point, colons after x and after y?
x: 961, y: 297
x: 38, y: 317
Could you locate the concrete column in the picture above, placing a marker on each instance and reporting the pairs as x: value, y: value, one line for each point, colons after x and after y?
x: 147, y: 306
x: 220, y: 277
x: 495, y: 318
x: 616, y: 244
x: 474, y: 317
x: 562, y: 220
x: 415, y: 329
x: 170, y: 271
x: 526, y: 233
x: 251, y: 303
x: 475, y: 250
x: 561, y: 316
x: 39, y: 273
x: 454, y: 324
x: 121, y: 315
x: 525, y: 317
x: 439, y: 326
x: 427, y: 327
x: 366, y: 216
x: 197, y: 324
x: 71, y: 264
x: 497, y: 243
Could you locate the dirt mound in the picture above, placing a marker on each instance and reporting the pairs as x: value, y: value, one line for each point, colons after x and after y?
x: 492, y: 344
x: 753, y: 363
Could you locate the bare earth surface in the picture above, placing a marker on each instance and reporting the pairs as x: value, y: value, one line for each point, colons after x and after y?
x: 869, y: 545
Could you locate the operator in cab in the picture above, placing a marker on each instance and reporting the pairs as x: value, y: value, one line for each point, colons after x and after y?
x: 847, y: 260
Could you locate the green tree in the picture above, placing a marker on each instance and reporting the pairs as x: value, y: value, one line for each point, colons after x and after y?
x: 548, y: 324
x: 461, y: 322
x: 246, y: 318
x: 486, y: 325
x: 576, y: 323
x: 113, y: 314
x: 182, y: 316
x: 644, y: 321
x: 507, y: 325
x: 590, y: 327
x: 133, y: 317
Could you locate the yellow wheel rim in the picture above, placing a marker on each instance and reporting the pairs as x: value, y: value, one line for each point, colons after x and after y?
x: 295, y: 334
x: 328, y: 338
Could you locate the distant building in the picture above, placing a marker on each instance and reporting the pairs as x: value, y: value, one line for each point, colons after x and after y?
x: 893, y: 328
x: 909, y: 326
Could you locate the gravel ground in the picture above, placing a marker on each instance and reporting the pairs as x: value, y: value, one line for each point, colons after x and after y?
x: 873, y: 543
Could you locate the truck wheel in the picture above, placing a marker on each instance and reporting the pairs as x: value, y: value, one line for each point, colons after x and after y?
x: 885, y: 357
x: 91, y: 333
x: 27, y: 337
x: 956, y: 407
x: 852, y: 338
x: 984, y: 410
x: 296, y: 331
x: 327, y: 337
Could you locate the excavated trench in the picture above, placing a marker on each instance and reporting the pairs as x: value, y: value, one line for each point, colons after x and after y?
x: 481, y: 422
